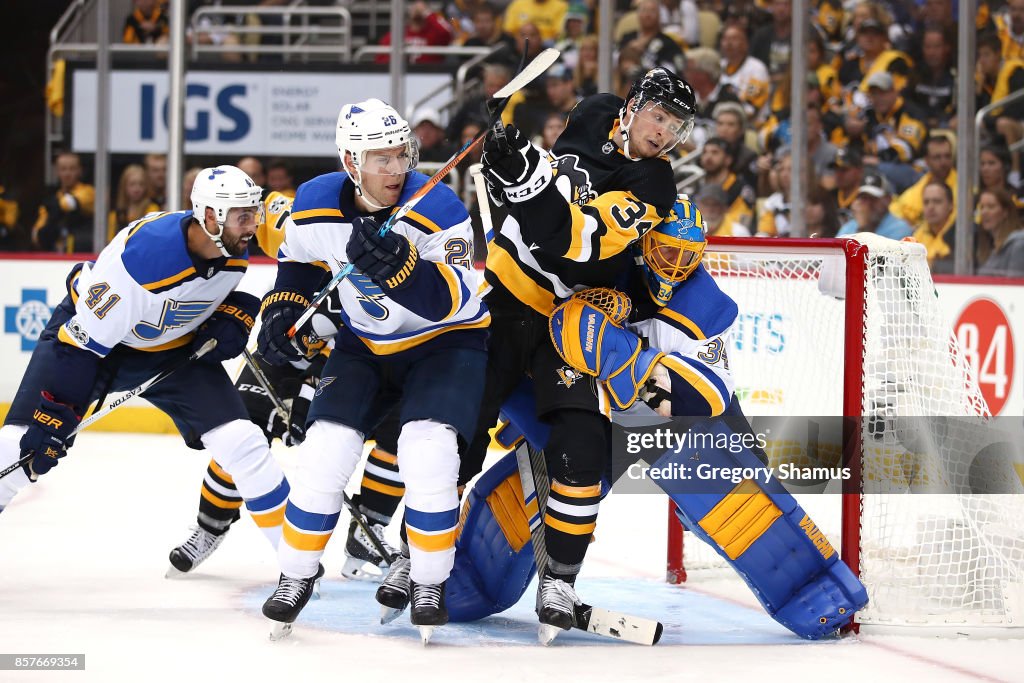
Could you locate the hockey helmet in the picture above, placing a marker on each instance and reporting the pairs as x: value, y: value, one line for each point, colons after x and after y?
x: 224, y: 188
x: 673, y: 249
x: 657, y: 92
x: 373, y: 124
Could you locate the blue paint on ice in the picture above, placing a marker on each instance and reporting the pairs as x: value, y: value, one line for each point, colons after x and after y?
x: 690, y: 618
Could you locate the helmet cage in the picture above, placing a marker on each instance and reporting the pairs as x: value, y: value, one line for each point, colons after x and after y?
x: 672, y: 251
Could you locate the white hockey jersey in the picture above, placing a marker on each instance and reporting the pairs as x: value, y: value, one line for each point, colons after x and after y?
x: 694, y: 330
x: 318, y: 232
x: 146, y: 291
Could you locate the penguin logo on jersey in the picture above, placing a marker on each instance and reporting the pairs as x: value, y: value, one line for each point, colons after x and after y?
x: 569, y: 376
x: 576, y: 186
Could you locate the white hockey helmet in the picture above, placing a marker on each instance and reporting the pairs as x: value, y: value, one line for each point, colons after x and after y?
x: 369, y: 125
x: 223, y: 188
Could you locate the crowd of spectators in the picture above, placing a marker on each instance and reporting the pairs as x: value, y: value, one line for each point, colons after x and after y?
x: 881, y: 116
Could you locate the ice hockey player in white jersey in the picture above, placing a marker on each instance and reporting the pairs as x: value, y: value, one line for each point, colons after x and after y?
x: 161, y: 289
x: 413, y: 327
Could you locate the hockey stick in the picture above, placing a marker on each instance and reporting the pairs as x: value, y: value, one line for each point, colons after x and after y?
x: 283, y: 410
x: 530, y: 72
x: 120, y: 399
x: 533, y: 476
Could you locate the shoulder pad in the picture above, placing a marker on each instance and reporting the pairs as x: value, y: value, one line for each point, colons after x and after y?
x: 155, y: 254
x: 699, y: 307
x: 317, y: 200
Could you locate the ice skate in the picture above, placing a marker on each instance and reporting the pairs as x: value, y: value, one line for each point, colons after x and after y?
x: 362, y: 560
x: 428, y: 609
x: 190, y: 554
x: 556, y: 600
x: 393, y: 593
x: 283, y: 607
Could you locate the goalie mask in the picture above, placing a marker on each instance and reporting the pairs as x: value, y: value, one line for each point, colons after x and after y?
x: 662, y: 99
x: 672, y: 250
x: 222, y: 189
x: 368, y: 127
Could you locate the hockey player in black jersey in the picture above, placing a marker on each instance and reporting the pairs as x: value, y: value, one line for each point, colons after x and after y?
x: 569, y: 227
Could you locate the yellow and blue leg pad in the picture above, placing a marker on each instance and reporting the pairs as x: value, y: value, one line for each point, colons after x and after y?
x: 764, y: 534
x: 431, y: 531
x: 308, y: 530
x: 268, y: 510
x: 493, y: 553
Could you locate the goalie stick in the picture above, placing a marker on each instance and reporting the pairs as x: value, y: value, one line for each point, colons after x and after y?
x: 533, y: 474
x: 120, y: 399
x: 530, y: 72
x: 286, y: 414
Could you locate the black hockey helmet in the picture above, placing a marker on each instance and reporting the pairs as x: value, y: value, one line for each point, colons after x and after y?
x: 662, y: 87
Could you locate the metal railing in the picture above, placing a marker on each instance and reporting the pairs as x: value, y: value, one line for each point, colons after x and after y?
x: 979, y: 122
x: 443, y: 50
x: 302, y: 39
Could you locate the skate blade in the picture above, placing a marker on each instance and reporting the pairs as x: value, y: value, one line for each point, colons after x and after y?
x: 425, y: 633
x: 173, y: 572
x: 358, y: 570
x: 279, y: 630
x: 315, y: 595
x: 389, y: 614
x: 546, y: 633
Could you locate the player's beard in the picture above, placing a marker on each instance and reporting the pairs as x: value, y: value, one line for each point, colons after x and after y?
x: 234, y: 245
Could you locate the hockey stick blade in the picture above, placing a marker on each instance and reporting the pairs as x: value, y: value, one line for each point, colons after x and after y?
x: 617, y: 625
x: 531, y: 71
x: 120, y: 400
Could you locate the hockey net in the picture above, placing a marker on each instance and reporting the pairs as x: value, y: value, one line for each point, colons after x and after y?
x: 853, y: 327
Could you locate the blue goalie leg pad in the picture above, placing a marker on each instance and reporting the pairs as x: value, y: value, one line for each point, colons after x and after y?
x: 493, y: 552
x: 764, y: 534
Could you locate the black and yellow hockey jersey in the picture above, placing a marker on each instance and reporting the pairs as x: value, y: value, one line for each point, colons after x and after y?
x: 576, y: 232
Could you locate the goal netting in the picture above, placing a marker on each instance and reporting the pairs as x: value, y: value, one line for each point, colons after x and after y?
x: 853, y: 327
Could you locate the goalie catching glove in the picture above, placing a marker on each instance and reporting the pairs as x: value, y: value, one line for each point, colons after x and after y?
x: 515, y: 169
x: 587, y: 333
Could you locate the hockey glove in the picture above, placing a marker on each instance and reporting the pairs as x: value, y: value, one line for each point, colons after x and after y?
x: 387, y: 259
x: 296, y: 432
x: 281, y: 308
x: 48, y: 436
x: 515, y: 169
x: 593, y: 342
x: 230, y: 325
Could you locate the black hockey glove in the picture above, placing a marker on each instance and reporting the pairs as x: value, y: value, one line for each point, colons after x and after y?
x: 49, y: 435
x: 514, y: 168
x: 387, y: 259
x: 230, y: 325
x: 281, y: 308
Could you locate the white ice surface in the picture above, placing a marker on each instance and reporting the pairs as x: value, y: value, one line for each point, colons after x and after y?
x: 83, y: 554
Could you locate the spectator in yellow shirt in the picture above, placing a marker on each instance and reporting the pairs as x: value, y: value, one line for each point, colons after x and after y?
x: 132, y: 201
x: 938, y: 157
x: 547, y: 15
x: 64, y: 223
x: 935, y: 229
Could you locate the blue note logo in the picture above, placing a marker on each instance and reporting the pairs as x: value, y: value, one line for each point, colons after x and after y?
x: 29, y: 318
x: 175, y: 314
x: 369, y: 295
